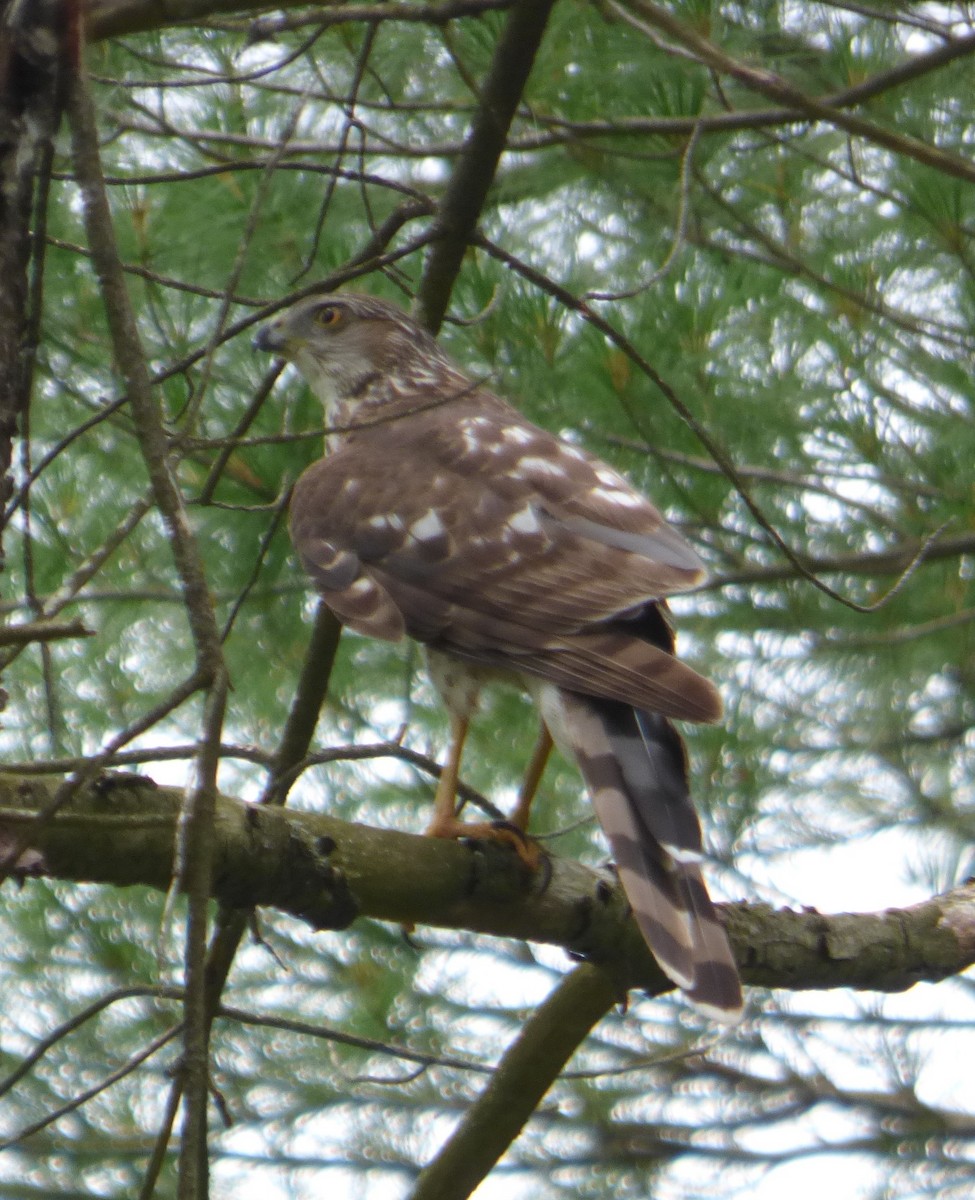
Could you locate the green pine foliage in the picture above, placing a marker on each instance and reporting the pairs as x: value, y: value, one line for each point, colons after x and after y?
x: 805, y: 292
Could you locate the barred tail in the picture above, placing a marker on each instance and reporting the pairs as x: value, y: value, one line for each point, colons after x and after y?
x: 635, y: 767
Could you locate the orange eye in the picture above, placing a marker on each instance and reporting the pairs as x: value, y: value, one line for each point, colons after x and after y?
x: 328, y: 315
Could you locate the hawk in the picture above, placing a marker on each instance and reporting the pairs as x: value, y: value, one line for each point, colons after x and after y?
x: 439, y: 512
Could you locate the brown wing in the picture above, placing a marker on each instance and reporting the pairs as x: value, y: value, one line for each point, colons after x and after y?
x: 469, y: 528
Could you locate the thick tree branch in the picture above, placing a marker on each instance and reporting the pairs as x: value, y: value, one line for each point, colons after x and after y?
x: 109, y: 18
x: 33, y: 41
x: 530, y: 1065
x: 132, y: 365
x: 43, y: 631
x: 894, y: 561
x: 327, y: 872
x: 467, y: 190
x: 193, y: 866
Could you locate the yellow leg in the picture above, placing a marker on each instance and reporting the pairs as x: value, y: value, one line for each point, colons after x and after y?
x: 445, y: 823
x: 533, y: 777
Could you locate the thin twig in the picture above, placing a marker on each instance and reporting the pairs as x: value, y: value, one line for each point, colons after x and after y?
x: 799, y: 566
x: 88, y: 1013
x: 50, y: 606
x: 246, y: 237
x: 350, y: 123
x: 779, y: 89
x: 89, y: 1093
x: 235, y: 438
x: 680, y: 229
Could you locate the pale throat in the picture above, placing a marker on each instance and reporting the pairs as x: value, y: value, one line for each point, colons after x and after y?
x: 355, y: 389
x: 342, y: 391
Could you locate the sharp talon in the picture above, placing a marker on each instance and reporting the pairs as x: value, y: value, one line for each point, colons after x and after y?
x: 507, y: 830
x: 527, y: 849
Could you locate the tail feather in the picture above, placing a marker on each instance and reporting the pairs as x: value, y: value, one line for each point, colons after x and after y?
x: 635, y: 768
x: 653, y: 760
x: 717, y: 987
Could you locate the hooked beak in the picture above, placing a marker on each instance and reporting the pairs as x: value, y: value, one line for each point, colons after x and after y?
x: 269, y: 338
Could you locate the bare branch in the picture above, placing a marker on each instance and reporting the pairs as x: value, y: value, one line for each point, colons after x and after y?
x: 776, y: 88
x: 42, y: 631
x: 328, y: 872
x: 467, y: 190
x: 109, y: 18
x: 530, y: 1065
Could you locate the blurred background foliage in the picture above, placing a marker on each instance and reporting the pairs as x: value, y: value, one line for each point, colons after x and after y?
x: 807, y: 294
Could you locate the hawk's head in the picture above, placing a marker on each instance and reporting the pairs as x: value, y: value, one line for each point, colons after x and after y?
x: 347, y: 345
